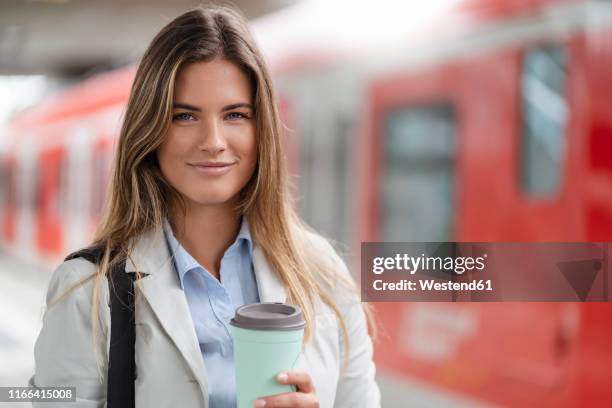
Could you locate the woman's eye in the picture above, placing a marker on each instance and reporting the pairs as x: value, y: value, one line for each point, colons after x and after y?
x: 183, y: 116
x: 236, y: 115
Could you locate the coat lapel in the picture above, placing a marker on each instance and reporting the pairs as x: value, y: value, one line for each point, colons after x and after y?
x: 269, y: 285
x: 162, y: 291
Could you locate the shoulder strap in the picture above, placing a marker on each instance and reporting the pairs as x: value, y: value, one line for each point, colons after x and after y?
x: 92, y: 254
x: 121, y: 362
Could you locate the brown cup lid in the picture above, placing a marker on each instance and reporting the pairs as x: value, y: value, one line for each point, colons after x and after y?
x: 268, y: 316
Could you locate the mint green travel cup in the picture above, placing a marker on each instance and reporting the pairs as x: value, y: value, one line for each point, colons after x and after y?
x: 267, y: 340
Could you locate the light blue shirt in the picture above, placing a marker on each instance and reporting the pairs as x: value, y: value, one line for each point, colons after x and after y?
x: 212, y: 304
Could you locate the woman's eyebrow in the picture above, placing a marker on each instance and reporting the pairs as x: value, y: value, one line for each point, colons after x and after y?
x: 236, y: 106
x: 186, y: 106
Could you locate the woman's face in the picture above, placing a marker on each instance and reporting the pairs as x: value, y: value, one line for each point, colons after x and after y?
x: 210, y: 152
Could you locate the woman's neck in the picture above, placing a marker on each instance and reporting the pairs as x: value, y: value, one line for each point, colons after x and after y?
x: 206, y: 232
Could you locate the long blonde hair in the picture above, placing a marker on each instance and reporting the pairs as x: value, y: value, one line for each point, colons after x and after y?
x: 138, y: 195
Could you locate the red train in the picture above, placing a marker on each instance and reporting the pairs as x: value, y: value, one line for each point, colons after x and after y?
x: 497, y: 129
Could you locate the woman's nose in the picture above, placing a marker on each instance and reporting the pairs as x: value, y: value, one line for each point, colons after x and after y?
x: 212, y: 140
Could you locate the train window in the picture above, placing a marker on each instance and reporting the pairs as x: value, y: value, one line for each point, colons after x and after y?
x: 417, y: 183
x: 544, y: 113
x: 325, y: 172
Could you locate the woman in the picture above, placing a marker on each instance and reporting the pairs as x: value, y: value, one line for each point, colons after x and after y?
x: 198, y: 209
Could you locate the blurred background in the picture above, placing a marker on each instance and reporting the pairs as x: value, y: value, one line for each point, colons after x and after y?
x: 443, y: 120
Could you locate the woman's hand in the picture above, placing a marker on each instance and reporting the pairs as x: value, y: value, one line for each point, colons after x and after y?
x: 304, y: 397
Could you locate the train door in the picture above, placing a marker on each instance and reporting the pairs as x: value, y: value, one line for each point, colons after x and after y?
x: 522, y: 126
x: 408, y: 159
x: 596, y: 334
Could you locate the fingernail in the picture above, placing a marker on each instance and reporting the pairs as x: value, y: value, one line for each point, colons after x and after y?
x: 259, y: 403
x: 283, y: 377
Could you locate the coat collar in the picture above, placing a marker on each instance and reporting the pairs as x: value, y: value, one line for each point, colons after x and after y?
x: 162, y: 291
x: 151, y: 256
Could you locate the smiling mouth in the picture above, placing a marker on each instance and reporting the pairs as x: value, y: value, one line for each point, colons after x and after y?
x: 212, y: 164
x: 212, y: 168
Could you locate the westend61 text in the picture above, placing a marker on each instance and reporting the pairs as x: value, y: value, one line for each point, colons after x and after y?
x: 412, y: 264
x: 430, y: 284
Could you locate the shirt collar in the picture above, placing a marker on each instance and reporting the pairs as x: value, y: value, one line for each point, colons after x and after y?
x: 185, y: 262
x: 245, y: 234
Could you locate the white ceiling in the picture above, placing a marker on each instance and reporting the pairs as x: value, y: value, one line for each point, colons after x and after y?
x: 75, y: 37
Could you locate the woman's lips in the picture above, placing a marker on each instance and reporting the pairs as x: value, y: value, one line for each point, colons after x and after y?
x: 213, y: 169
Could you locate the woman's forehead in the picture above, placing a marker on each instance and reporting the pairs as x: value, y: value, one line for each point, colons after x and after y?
x: 216, y: 82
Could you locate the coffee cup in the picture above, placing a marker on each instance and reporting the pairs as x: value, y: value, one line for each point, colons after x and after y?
x: 267, y: 340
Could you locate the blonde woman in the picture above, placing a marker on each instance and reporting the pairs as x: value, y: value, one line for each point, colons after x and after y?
x: 198, y: 211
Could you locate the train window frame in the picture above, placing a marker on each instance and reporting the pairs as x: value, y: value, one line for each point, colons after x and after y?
x: 535, y: 179
x: 440, y: 159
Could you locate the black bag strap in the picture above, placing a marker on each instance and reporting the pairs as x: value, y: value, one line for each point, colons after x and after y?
x: 121, y: 360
